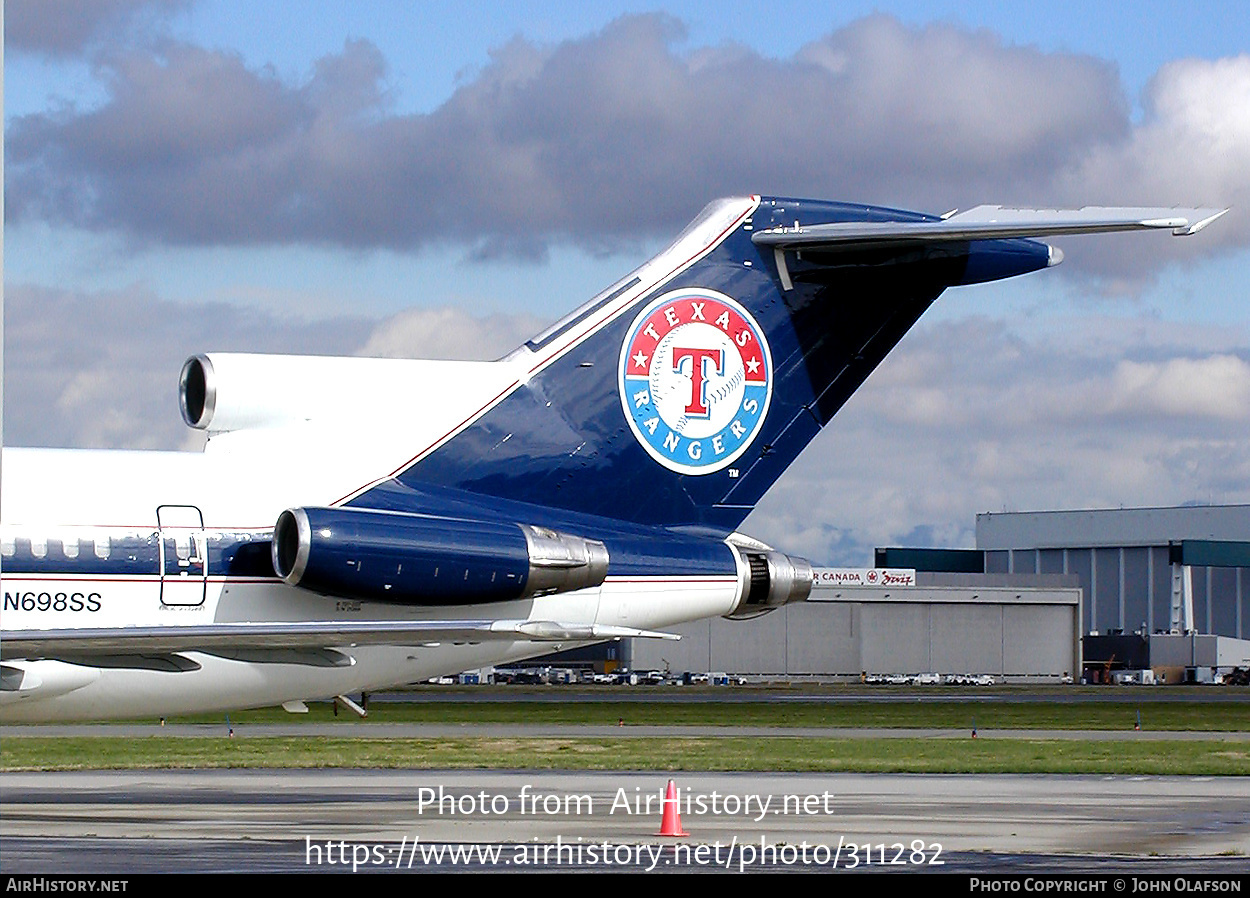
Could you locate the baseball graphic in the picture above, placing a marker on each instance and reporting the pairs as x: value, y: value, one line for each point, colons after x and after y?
x: 695, y: 380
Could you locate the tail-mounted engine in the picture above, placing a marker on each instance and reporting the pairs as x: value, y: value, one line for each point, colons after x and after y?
x: 769, y: 580
x: 228, y: 391
x: 408, y: 559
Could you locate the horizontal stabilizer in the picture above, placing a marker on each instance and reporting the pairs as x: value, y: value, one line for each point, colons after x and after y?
x: 82, y: 644
x: 990, y: 223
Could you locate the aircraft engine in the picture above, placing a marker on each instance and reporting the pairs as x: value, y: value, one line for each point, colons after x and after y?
x: 770, y: 580
x: 408, y: 559
x: 228, y: 391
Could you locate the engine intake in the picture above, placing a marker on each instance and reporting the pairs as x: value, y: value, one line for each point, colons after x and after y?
x: 409, y: 559
x: 197, y: 391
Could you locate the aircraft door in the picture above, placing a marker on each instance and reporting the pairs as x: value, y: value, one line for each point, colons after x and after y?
x: 183, y: 554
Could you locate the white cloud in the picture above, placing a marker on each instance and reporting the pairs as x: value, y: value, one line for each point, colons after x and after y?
x: 62, y: 28
x: 1192, y: 149
x: 620, y: 136
x: 1108, y: 414
x: 100, y: 370
x: 1216, y: 386
x: 448, y: 333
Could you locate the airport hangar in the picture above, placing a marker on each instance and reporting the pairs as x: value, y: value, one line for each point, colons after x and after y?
x: 1044, y: 595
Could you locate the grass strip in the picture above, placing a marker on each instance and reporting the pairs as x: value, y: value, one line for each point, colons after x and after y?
x: 791, y: 754
x: 918, y: 714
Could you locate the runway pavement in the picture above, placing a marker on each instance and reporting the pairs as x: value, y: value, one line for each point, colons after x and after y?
x: 118, y: 822
x: 376, y: 730
x: 331, y: 820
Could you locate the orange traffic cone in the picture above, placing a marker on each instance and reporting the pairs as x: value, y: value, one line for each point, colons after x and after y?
x: 670, y: 825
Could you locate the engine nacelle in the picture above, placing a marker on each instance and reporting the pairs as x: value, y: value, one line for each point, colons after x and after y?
x: 409, y: 559
x: 228, y: 391
x: 769, y: 580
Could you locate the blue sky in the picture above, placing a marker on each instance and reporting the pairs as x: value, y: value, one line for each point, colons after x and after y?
x: 430, y: 46
x: 1103, y: 369
x: 431, y: 49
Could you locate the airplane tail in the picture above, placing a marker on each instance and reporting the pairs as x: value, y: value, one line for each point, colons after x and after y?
x: 682, y: 393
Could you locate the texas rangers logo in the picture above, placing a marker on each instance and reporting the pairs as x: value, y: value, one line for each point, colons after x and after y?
x: 695, y: 378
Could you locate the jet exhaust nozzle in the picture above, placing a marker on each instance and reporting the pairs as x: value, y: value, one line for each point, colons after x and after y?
x: 770, y: 580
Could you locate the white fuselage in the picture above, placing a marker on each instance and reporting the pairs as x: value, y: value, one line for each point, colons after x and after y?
x: 102, y: 500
